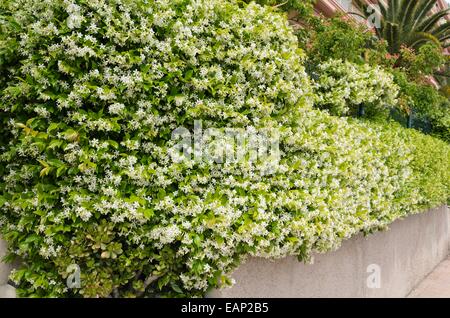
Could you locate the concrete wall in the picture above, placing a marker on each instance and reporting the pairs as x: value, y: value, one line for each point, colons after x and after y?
x: 6, y: 291
x: 405, y: 254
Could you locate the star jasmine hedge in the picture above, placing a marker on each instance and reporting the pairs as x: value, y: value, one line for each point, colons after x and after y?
x: 90, y: 92
x: 342, y: 86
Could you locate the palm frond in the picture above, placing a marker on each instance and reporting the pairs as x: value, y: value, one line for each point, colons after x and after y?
x: 429, y: 23
x: 408, y: 22
x: 420, y: 38
x: 407, y: 9
x: 422, y: 11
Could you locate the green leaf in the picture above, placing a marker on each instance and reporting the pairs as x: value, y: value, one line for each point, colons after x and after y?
x: 161, y: 194
x: 148, y: 213
x: 61, y: 170
x: 45, y: 171
x: 176, y: 288
x: 197, y: 240
x: 2, y: 201
x: 71, y: 135
x: 32, y: 238
x: 114, y: 144
x: 52, y: 127
x: 39, y: 212
x: 55, y: 143
x: 188, y: 75
x: 55, y: 162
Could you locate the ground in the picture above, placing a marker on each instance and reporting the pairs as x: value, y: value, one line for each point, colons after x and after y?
x: 436, y: 284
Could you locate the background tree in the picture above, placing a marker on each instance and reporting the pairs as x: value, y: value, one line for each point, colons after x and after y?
x: 409, y: 23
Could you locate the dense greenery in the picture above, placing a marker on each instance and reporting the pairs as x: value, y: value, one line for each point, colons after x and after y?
x: 417, y: 37
x: 341, y: 38
x: 344, y: 39
x: 409, y: 23
x: 301, y: 7
x: 90, y: 93
x: 342, y: 87
x: 426, y: 104
x: 424, y: 62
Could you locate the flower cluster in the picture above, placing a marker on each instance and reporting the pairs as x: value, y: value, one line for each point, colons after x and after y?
x: 88, y: 103
x: 343, y: 86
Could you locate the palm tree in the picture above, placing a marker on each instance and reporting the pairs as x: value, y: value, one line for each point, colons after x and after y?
x: 410, y: 23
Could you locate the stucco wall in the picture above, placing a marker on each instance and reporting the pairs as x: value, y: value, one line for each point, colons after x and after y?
x: 5, y: 289
x: 405, y: 254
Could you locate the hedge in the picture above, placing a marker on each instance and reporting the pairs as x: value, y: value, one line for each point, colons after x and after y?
x: 342, y: 86
x: 90, y: 93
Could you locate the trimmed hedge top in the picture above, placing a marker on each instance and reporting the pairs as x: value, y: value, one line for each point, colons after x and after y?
x: 90, y: 92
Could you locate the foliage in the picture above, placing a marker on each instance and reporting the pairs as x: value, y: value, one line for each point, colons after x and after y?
x: 343, y: 86
x: 345, y: 39
x: 409, y: 23
x: 426, y: 103
x: 340, y: 38
x: 300, y: 14
x: 88, y: 104
x: 88, y: 101
x: 442, y: 76
x: 302, y: 7
x: 426, y: 61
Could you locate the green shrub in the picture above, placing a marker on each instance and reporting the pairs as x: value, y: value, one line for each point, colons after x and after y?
x: 88, y: 102
x: 426, y: 104
x: 303, y: 7
x: 88, y: 105
x: 343, y: 86
x: 427, y: 60
x: 341, y: 38
x: 431, y: 170
x: 300, y: 13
